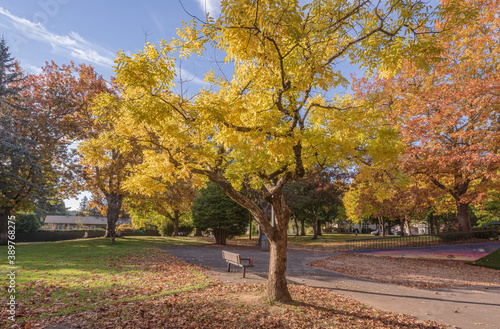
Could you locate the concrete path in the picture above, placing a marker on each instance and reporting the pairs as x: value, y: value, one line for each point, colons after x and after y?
x: 466, y: 308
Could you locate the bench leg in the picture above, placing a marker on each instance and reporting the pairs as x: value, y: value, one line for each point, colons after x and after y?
x: 229, y: 267
x: 244, y: 268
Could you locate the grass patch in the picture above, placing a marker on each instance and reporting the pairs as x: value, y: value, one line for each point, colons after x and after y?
x: 324, y: 241
x: 491, y: 260
x: 64, y: 277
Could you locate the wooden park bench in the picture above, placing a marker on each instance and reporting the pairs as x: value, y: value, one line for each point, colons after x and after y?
x: 236, y: 259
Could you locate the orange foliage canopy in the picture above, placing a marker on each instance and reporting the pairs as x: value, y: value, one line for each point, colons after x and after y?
x: 449, y: 116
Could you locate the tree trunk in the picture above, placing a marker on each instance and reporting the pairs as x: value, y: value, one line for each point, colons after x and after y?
x: 296, y: 225
x: 198, y: 232
x: 407, y: 226
x: 250, y: 231
x: 4, y: 225
x: 276, y: 283
x: 261, y: 234
x: 277, y: 288
x: 463, y: 217
x: 315, y: 226
x: 436, y: 224
x: 319, y: 228
x: 431, y: 223
x: 302, y: 227
x: 220, y: 236
x: 175, y: 221
x: 114, y: 201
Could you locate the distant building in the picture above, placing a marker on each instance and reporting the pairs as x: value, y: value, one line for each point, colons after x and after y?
x: 77, y: 222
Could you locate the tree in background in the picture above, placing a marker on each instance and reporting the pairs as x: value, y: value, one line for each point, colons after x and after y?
x: 60, y: 97
x: 54, y: 206
x: 83, y: 207
x: 388, y: 194
x: 448, y: 116
x: 151, y: 201
x: 215, y: 210
x: 312, y: 199
x: 107, y: 158
x: 271, y: 123
x: 106, y: 166
x: 35, y: 114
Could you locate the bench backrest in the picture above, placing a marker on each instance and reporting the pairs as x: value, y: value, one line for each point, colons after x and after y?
x: 231, y: 256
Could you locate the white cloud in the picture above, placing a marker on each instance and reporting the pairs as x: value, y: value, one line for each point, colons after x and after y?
x: 32, y: 68
x: 72, y: 44
x: 210, y: 6
x: 188, y: 77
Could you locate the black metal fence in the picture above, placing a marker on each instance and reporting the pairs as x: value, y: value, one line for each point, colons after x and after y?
x: 394, y: 241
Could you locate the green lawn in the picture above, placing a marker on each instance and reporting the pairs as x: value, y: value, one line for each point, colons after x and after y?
x: 67, y: 276
x: 491, y: 260
x: 325, y: 239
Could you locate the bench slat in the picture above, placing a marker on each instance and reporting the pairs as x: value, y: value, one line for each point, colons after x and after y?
x: 235, y: 259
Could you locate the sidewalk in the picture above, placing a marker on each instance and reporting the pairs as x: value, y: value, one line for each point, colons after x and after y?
x: 471, y: 307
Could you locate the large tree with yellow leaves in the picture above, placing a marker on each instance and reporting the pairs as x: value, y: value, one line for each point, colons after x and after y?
x: 272, y: 122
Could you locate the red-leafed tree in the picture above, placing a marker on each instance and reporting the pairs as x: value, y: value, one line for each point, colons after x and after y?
x: 40, y: 116
x: 449, y: 116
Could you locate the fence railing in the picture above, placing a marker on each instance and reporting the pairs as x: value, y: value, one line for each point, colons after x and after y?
x: 394, y: 241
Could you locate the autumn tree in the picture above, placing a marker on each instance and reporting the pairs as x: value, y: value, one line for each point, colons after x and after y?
x: 106, y: 164
x: 165, y: 200
x: 60, y: 97
x: 36, y: 161
x: 448, y: 115
x: 21, y: 175
x: 271, y: 123
x: 390, y: 194
x: 310, y: 197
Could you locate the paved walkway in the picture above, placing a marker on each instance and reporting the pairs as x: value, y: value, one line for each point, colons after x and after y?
x: 471, y: 307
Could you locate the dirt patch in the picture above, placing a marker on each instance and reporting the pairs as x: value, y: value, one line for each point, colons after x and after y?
x: 414, y: 273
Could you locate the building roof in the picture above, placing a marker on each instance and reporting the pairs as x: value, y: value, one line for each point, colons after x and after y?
x: 81, y: 220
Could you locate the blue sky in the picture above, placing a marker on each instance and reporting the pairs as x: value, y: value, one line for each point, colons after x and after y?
x: 93, y: 31
x: 90, y: 31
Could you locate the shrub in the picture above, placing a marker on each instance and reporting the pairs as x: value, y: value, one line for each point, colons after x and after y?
x: 491, y: 235
x: 453, y: 236
x: 185, y: 229
x: 167, y: 229
x: 27, y: 223
x: 125, y: 228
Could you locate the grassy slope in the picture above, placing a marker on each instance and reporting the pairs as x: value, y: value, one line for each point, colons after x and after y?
x: 63, y: 277
x: 491, y: 260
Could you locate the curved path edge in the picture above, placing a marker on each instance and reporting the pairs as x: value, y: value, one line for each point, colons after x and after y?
x: 469, y: 307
